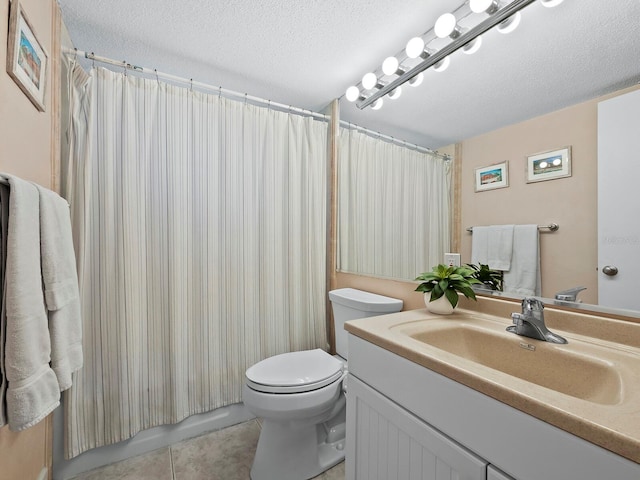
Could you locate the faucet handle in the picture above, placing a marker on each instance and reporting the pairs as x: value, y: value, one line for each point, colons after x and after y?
x: 569, y: 295
x: 532, y: 304
x: 516, y: 318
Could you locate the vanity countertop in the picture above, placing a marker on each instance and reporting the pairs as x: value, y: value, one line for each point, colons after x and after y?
x: 611, y: 421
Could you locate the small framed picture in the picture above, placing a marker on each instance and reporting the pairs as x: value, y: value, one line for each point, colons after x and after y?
x: 493, y: 176
x: 26, y: 58
x: 549, y: 165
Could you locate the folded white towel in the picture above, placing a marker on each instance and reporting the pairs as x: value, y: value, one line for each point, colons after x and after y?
x: 493, y: 245
x: 60, y: 281
x: 32, y: 391
x: 524, y: 276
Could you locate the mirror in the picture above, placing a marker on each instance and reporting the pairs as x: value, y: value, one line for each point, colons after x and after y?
x: 569, y: 256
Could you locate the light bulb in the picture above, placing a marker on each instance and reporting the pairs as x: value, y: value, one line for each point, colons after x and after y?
x: 377, y: 105
x: 480, y: 6
x: 551, y: 3
x: 395, y: 93
x: 442, y: 65
x: 510, y: 24
x: 473, y: 46
x: 352, y: 93
x: 446, y: 26
x: 417, y: 80
x: 390, y: 65
x: 369, y: 80
x: 415, y: 47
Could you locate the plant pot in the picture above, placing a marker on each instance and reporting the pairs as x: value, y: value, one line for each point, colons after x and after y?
x: 441, y: 306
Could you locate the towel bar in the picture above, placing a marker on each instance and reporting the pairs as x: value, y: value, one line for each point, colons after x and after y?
x: 552, y: 227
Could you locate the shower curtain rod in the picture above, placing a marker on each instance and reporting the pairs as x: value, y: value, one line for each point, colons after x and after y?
x: 191, y: 82
x: 395, y: 140
x: 230, y: 93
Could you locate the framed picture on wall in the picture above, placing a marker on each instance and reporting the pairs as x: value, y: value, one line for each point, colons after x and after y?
x: 492, y: 177
x: 26, y: 58
x: 549, y: 165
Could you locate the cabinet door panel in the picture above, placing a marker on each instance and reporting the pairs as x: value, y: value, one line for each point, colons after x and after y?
x: 385, y: 442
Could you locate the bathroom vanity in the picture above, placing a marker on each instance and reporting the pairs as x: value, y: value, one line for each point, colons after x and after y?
x: 436, y: 397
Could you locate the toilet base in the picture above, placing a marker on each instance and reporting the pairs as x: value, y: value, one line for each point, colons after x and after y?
x: 289, y: 452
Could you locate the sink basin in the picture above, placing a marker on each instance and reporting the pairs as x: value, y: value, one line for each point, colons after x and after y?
x: 578, y: 369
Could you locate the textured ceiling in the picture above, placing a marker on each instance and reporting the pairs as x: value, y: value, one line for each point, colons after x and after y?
x: 307, y: 52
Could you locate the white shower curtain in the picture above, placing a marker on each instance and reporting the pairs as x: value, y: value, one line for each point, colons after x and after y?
x: 393, y: 207
x: 200, y: 229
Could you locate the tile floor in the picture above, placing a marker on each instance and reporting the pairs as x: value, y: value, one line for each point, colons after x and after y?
x: 223, y: 455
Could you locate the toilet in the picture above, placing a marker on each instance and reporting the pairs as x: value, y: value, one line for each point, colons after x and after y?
x: 300, y: 397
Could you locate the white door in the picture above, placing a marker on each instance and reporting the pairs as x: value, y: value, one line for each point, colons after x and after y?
x: 619, y: 202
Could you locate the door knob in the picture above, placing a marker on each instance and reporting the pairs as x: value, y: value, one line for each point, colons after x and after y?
x: 609, y: 270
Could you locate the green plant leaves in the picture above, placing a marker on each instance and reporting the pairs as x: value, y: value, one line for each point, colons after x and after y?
x: 448, y: 281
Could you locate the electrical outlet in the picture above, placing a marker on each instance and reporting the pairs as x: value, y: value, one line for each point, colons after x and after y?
x: 452, y: 259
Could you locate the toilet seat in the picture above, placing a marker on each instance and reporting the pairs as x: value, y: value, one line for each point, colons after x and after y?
x: 294, y: 372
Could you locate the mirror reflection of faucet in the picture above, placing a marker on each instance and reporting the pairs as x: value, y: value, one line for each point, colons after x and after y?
x: 570, y: 295
x: 530, y: 323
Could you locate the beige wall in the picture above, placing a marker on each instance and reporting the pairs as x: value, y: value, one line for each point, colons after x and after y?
x: 27, y: 149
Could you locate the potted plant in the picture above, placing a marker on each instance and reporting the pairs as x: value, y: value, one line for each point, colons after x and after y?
x: 443, y: 283
x: 489, y: 279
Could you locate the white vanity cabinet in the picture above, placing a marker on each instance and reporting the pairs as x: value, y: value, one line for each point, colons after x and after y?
x: 494, y: 474
x: 391, y: 443
x: 405, y: 421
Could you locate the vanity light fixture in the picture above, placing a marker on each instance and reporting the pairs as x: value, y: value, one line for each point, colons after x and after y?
x: 391, y: 66
x: 459, y: 30
x: 551, y: 3
x: 472, y: 47
x: 447, y: 26
x: 482, y: 6
x: 369, y: 81
x: 510, y: 24
x: 353, y: 93
x: 442, y: 65
x: 393, y: 94
x: 417, y: 80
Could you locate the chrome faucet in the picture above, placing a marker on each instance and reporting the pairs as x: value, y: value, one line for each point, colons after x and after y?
x: 530, y: 323
x: 570, y: 295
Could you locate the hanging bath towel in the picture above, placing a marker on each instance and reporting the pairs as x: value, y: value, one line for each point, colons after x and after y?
x: 60, y: 280
x: 523, y: 278
x: 32, y: 388
x: 493, y: 246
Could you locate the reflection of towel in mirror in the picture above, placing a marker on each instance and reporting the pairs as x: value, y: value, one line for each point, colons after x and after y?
x: 493, y: 246
x: 523, y: 277
x: 32, y: 391
x: 60, y: 281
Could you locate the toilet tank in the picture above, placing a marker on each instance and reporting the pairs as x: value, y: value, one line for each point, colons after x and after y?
x: 350, y: 304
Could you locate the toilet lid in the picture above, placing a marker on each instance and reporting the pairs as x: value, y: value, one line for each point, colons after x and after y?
x: 294, y: 372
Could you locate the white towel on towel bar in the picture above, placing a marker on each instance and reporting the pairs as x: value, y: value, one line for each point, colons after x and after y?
x: 32, y: 391
x: 60, y: 280
x: 493, y: 245
x: 523, y: 277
